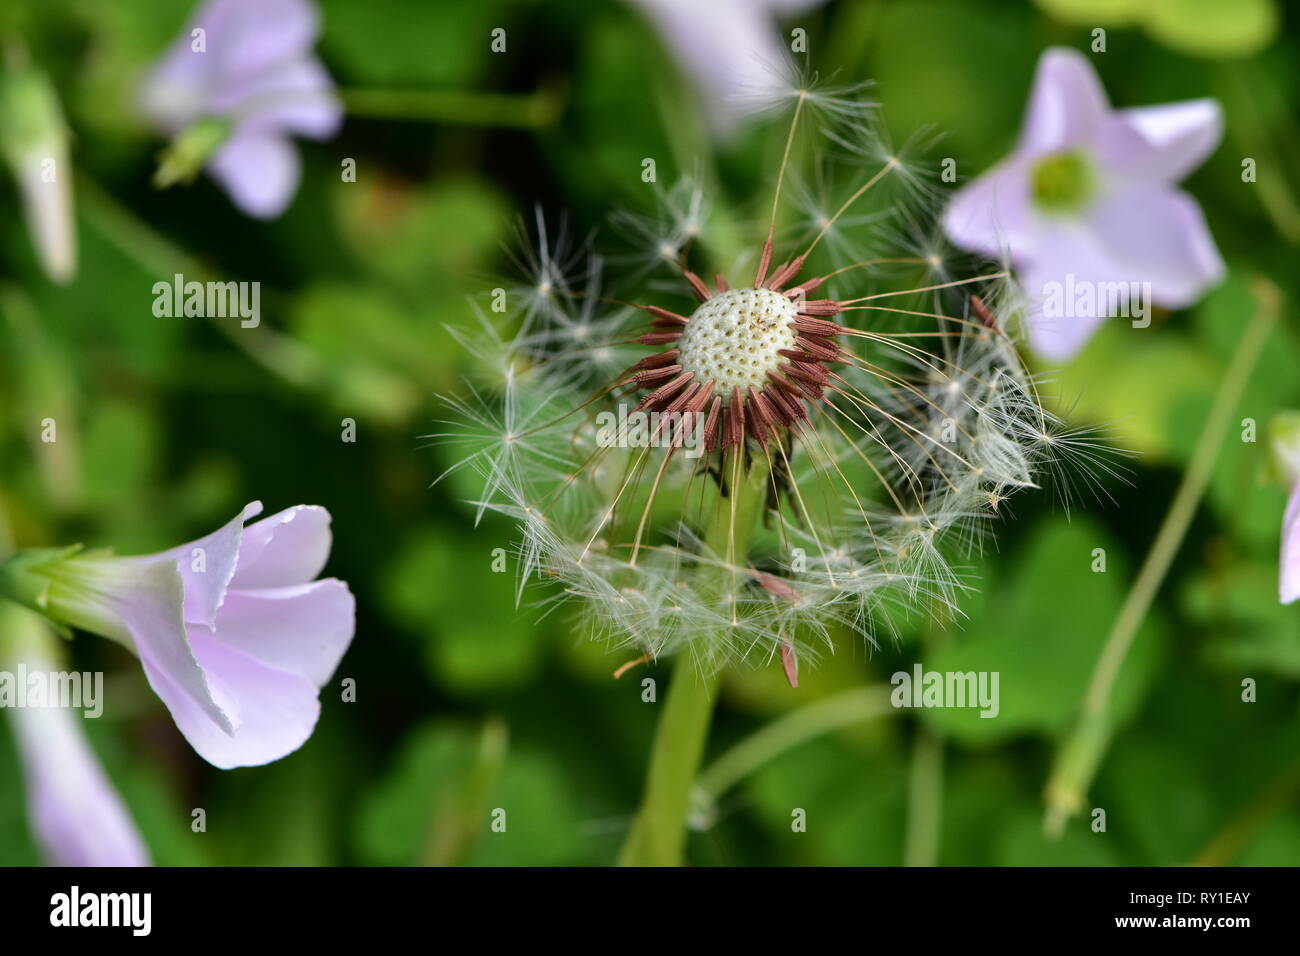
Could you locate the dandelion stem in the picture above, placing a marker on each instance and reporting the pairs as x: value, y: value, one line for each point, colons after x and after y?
x: 1081, y: 753
x: 658, y: 834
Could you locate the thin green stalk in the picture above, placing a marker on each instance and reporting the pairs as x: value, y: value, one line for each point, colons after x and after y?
x: 1081, y: 753
x: 658, y: 834
x: 852, y: 707
x: 924, y: 800
x: 525, y: 111
x: 925, y: 780
x: 459, y: 823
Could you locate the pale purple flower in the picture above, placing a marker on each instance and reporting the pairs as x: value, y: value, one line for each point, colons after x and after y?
x: 1285, y: 442
x: 76, y: 816
x: 1088, y: 200
x: 232, y: 630
x: 730, y: 49
x: 257, y: 74
x: 1289, y: 577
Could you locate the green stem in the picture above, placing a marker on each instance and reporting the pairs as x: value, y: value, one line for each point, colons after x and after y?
x: 925, y: 780
x: 658, y: 834
x: 459, y: 823
x: 924, y: 800
x: 1081, y: 753
x: 528, y: 111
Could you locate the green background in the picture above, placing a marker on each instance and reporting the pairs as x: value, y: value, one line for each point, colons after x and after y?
x: 465, y: 703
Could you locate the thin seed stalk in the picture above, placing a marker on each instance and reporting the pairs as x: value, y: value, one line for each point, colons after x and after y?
x: 1080, y: 755
x: 658, y: 834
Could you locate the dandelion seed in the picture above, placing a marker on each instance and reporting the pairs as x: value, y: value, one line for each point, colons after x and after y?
x: 786, y: 451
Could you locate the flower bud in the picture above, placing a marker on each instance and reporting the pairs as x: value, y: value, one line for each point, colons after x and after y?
x: 34, y: 143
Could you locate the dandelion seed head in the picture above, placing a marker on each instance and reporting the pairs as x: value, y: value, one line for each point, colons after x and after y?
x: 736, y: 338
x: 819, y: 444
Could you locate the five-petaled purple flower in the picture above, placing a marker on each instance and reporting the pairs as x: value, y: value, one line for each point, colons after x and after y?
x: 233, y: 631
x: 250, y: 81
x: 1088, y: 201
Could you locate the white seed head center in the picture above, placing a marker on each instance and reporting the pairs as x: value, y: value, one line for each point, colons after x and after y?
x: 736, y: 337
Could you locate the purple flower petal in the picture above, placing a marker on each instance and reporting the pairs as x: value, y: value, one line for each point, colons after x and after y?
x: 270, y: 652
x: 207, y: 575
x: 992, y: 213
x: 247, y: 37
x: 296, y: 97
x: 257, y: 73
x: 1180, y: 136
x: 1289, y: 566
x: 260, y: 171
x: 1114, y: 219
x: 238, y: 650
x: 1067, y: 106
x: 1064, y: 255
x: 1158, y: 235
x: 727, y: 48
x: 302, y: 630
x: 141, y: 604
x: 277, y: 710
x: 76, y: 815
x: 178, y: 89
x: 287, y: 548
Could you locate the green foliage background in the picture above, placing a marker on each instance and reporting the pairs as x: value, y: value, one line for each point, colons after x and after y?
x: 465, y: 704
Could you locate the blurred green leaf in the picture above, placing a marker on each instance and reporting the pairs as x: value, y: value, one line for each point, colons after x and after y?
x: 443, y: 588
x: 431, y: 237
x: 1216, y: 29
x: 1213, y: 28
x: 1159, y: 797
x: 1249, y: 627
x: 1042, y: 634
x: 851, y: 802
x: 1022, y: 843
x: 437, y: 793
x: 119, y: 452
x: 409, y: 42
x: 1132, y: 382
